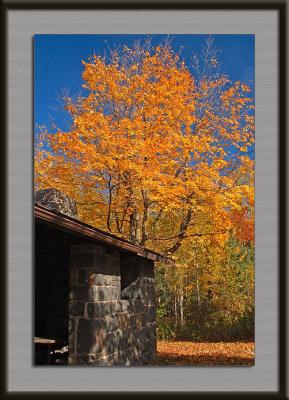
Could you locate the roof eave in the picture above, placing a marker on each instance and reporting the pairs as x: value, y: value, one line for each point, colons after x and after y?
x: 72, y: 225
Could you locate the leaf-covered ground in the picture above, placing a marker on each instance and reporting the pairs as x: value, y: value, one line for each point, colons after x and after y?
x: 191, y: 353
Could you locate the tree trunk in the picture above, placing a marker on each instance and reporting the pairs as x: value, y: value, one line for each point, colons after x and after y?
x: 198, y: 287
x: 182, y: 306
x: 176, y: 309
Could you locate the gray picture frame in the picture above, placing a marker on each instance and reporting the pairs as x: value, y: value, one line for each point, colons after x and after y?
x: 271, y: 177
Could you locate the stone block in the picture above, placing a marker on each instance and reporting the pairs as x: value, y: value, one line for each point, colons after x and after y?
x: 111, y: 323
x: 107, y: 307
x: 143, y: 343
x: 151, y: 313
x: 148, y: 281
x: 98, y: 310
x: 72, y: 359
x: 72, y: 334
x: 118, y: 306
x: 117, y: 358
x: 116, y: 279
x: 94, y: 360
x: 114, y: 292
x: 107, y: 280
x: 102, y: 362
x: 133, y: 356
x: 151, y: 292
x: 145, y: 318
x: 117, y: 341
x: 148, y: 294
x: 89, y: 277
x: 113, y: 305
x: 90, y: 336
x: 150, y: 330
x: 108, y: 345
x: 71, y: 325
x: 138, y: 321
x: 145, y: 332
x: 125, y: 305
x: 152, y: 346
x: 130, y: 306
x: 129, y: 338
x: 85, y: 293
x: 101, y: 279
x: 132, y: 320
x: 94, y: 310
x: 123, y: 320
x: 103, y: 293
x: 132, y: 291
x: 76, y: 308
x: 139, y: 306
x: 121, y: 334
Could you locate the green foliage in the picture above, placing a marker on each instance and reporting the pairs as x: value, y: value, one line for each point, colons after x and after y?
x: 222, y: 310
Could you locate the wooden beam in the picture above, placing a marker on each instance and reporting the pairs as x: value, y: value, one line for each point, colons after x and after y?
x: 38, y: 340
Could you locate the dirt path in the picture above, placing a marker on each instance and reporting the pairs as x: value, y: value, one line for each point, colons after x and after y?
x: 191, y: 353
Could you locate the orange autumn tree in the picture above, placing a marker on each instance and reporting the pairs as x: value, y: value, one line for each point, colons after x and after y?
x: 158, y: 152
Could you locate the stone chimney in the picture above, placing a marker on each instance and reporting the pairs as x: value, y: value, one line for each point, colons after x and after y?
x: 55, y: 200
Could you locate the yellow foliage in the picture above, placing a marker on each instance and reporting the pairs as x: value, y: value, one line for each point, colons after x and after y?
x: 153, y: 155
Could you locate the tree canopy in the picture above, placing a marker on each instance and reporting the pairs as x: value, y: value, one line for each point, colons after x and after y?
x: 155, y: 153
x: 161, y: 153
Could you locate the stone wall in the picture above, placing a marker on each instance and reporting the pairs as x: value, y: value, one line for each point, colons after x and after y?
x: 111, y: 308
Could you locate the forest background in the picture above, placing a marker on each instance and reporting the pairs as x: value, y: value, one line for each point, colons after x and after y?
x: 155, y: 141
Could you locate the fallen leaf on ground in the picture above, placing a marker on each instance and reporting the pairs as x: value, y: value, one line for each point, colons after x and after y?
x: 205, y: 353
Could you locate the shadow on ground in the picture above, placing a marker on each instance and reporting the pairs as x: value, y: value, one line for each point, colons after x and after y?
x: 221, y: 360
x: 208, y: 354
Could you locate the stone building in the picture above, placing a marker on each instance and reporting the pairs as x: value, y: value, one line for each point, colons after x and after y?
x: 94, y: 292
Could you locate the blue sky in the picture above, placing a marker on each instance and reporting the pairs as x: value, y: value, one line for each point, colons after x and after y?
x: 58, y: 67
